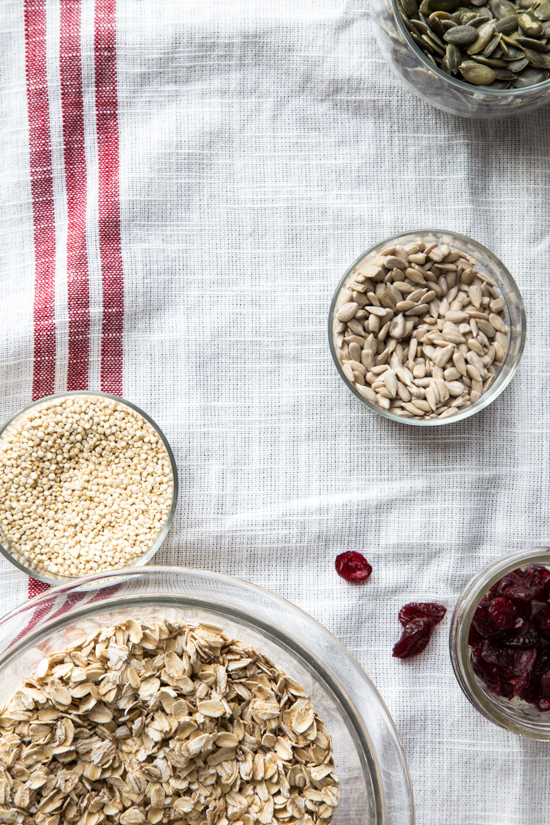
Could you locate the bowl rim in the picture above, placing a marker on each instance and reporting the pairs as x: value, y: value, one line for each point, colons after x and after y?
x: 141, y: 560
x: 500, y: 384
x: 460, y: 84
x: 129, y: 572
x: 459, y: 649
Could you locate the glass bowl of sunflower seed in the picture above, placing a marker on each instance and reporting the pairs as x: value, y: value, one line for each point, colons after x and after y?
x: 474, y: 58
x: 427, y: 327
x: 169, y: 695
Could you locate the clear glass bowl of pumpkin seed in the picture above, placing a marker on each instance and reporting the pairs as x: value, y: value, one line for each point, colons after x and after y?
x: 427, y: 327
x: 474, y: 58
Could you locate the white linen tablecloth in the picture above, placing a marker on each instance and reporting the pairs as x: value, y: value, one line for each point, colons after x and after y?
x: 245, y: 153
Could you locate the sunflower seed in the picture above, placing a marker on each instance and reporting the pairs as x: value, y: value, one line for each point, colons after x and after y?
x: 424, y: 350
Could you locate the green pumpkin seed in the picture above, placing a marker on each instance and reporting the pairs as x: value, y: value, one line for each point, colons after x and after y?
x: 518, y: 65
x: 421, y: 27
x: 485, y: 34
x: 504, y: 74
x: 542, y: 10
x: 494, y: 63
x: 476, y: 73
x: 494, y: 43
x: 436, y: 25
x: 512, y: 52
x: 461, y: 35
x: 507, y: 25
x: 529, y: 77
x: 491, y: 46
x: 485, y: 13
x: 443, y: 5
x: 529, y: 43
x: 502, y: 9
x: 434, y: 47
x: 410, y: 7
x: 530, y: 25
x: 454, y: 57
x: 540, y: 61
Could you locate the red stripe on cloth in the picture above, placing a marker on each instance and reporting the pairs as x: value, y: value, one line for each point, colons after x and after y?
x: 109, y: 196
x: 75, y: 176
x: 43, y: 379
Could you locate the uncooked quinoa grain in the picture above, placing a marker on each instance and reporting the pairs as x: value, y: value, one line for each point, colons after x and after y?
x: 85, y: 485
x: 420, y: 330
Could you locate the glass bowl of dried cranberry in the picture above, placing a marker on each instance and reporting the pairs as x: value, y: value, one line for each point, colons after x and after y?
x: 500, y: 642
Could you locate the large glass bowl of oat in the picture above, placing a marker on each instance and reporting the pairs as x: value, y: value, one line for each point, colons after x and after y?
x: 427, y: 327
x: 88, y: 482
x: 503, y: 91
x: 158, y: 694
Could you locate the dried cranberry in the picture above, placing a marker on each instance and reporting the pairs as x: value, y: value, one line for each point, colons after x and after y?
x: 487, y: 672
x: 524, y: 635
x: 507, y: 633
x: 416, y: 635
x: 524, y: 585
x: 474, y: 636
x: 353, y: 566
x: 539, y: 683
x: 505, y: 671
x: 422, y: 610
x: 495, y: 616
x: 541, y: 619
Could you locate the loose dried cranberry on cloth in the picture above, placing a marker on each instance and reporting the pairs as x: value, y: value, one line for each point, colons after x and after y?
x: 418, y: 620
x: 353, y: 566
x: 509, y: 634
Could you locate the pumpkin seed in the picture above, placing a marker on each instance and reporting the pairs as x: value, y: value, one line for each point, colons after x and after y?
x: 542, y: 10
x: 502, y: 9
x: 512, y: 53
x: 530, y: 24
x: 494, y: 63
x: 436, y: 24
x: 529, y: 77
x: 504, y: 74
x: 487, y: 42
x: 410, y: 7
x: 453, y: 56
x: 540, y: 61
x: 484, y: 35
x: 443, y: 5
x: 461, y: 35
x: 529, y: 43
x: 491, y: 46
x: 518, y: 65
x: 477, y: 73
x: 507, y: 25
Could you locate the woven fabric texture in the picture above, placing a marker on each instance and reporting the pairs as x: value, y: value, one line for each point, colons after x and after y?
x: 245, y: 154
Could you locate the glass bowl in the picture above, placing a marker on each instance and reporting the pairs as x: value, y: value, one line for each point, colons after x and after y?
x: 512, y: 714
x: 489, y: 263
x: 436, y: 87
x: 368, y: 756
x: 9, y: 548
